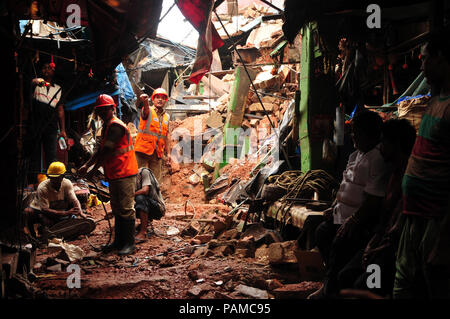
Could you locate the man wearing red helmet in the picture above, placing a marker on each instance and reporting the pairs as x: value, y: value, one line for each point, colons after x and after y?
x: 151, y: 140
x: 116, y: 154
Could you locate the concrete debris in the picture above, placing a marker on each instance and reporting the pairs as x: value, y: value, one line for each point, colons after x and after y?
x: 172, y: 231
x: 296, y: 291
x: 262, y: 235
x: 167, y: 262
x: 229, y: 234
x: 198, y: 290
x: 194, y: 179
x: 273, y: 284
x: 283, y: 253
x: 252, y: 292
x: 55, y: 268
x: 214, y: 120
x: 204, y: 238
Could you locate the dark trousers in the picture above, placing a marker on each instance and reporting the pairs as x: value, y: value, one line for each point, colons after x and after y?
x: 325, y: 234
x: 354, y: 275
x: 341, y: 252
x: 48, y: 142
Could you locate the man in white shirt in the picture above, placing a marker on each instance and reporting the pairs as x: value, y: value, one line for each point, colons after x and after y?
x: 355, y: 212
x: 47, y: 117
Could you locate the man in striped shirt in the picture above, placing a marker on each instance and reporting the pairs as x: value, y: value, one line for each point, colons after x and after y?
x: 426, y: 185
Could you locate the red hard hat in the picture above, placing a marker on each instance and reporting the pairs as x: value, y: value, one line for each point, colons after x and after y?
x: 160, y: 91
x: 104, y: 100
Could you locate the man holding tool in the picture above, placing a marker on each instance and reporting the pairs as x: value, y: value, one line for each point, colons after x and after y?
x: 116, y: 154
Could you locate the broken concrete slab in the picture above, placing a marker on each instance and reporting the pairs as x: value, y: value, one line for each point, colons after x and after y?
x: 246, y: 242
x: 251, y: 292
x: 257, y: 107
x: 215, y: 120
x: 245, y: 253
x: 198, y: 290
x: 261, y: 235
x: 296, y: 291
x: 167, y: 262
x: 216, y: 85
x: 230, y: 234
x: 283, y: 253
x: 204, y: 238
x: 262, y: 254
x: 224, y: 250
x: 201, y: 251
x: 55, y: 268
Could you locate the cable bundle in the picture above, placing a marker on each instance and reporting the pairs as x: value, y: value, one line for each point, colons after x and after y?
x: 299, y: 185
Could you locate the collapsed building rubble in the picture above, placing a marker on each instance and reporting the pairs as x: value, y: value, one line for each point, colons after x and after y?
x: 254, y: 167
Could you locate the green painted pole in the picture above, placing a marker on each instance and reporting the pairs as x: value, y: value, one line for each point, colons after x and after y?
x: 305, y: 79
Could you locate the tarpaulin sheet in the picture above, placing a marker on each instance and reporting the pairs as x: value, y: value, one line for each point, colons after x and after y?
x: 124, y: 83
x: 89, y: 99
x: 198, y: 13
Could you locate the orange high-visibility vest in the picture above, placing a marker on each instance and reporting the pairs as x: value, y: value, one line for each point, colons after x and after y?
x: 122, y: 162
x: 151, y: 134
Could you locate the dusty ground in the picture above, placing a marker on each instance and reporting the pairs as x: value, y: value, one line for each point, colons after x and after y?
x: 146, y: 275
x: 160, y: 268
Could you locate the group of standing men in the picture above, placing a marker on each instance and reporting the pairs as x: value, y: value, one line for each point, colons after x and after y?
x: 133, y: 170
x: 123, y: 161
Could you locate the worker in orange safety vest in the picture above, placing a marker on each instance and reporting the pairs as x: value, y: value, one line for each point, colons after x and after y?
x: 152, y: 137
x: 116, y: 155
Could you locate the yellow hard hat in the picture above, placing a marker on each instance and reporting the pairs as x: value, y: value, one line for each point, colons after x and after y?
x: 56, y: 169
x: 160, y: 91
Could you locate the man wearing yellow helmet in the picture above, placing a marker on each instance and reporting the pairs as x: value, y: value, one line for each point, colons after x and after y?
x: 151, y: 140
x: 55, y: 199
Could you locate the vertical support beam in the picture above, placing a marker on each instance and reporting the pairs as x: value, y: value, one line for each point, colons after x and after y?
x: 304, y: 84
x: 235, y: 115
x: 318, y: 99
x: 236, y: 110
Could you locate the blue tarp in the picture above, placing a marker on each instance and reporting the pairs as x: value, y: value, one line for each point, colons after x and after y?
x: 87, y: 100
x: 124, y: 83
x: 125, y: 90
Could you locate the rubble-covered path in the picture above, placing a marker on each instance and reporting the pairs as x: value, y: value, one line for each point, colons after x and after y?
x: 194, y: 251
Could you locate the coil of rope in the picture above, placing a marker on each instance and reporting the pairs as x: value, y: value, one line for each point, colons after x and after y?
x: 301, y: 186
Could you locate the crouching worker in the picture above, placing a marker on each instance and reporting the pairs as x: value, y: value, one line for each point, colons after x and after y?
x: 54, y: 204
x: 116, y: 154
x: 149, y: 201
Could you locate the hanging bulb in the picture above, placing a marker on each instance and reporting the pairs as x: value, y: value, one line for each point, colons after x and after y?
x: 405, y: 65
